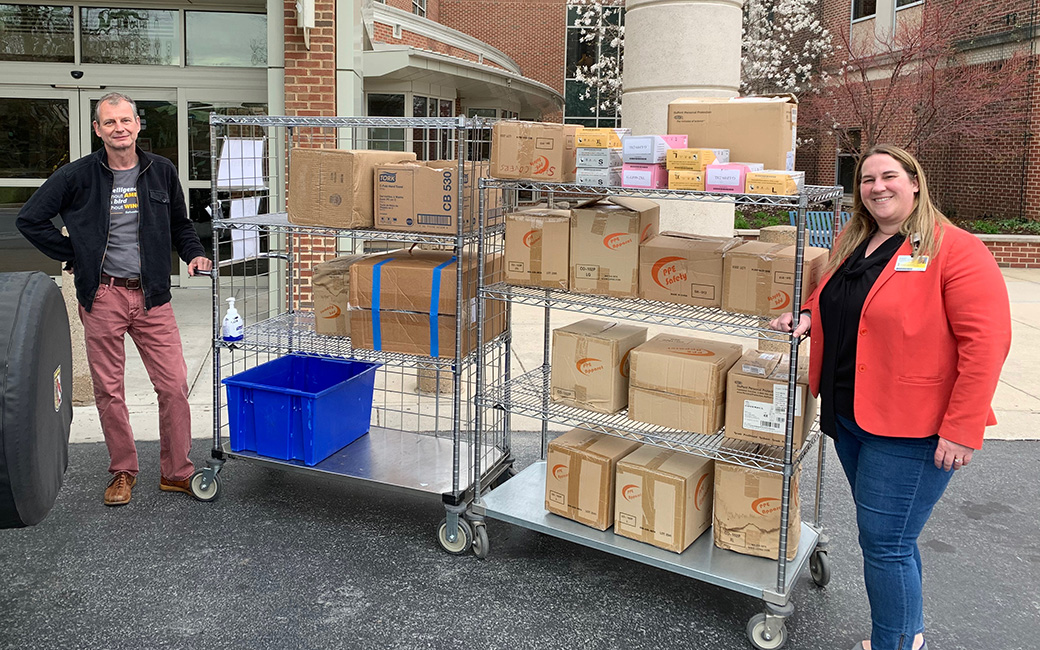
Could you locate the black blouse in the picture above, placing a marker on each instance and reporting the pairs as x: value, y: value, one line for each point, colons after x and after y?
x: 841, y: 303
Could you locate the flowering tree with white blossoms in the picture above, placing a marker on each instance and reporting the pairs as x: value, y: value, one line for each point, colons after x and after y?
x: 782, y: 45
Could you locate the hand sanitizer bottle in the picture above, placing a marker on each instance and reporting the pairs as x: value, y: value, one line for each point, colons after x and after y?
x: 233, y: 328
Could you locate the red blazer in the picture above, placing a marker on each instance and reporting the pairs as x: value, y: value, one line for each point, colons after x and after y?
x: 930, y: 344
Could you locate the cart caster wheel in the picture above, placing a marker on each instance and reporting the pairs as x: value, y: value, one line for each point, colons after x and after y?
x: 481, y: 546
x: 756, y: 629
x: 820, y: 568
x: 462, y: 542
x: 210, y: 493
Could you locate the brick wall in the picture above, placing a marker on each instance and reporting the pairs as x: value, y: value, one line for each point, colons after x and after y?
x: 385, y: 34
x: 531, y: 32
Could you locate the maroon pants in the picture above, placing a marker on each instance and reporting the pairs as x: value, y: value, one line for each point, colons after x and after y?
x: 116, y: 312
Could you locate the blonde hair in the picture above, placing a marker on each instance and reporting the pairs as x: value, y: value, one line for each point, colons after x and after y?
x: 924, y: 225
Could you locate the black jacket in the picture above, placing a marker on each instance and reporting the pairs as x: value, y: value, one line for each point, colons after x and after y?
x: 81, y: 193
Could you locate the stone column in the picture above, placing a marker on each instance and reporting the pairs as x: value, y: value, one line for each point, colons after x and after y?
x: 673, y: 49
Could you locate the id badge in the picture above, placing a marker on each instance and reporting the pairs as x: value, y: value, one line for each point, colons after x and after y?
x: 909, y: 263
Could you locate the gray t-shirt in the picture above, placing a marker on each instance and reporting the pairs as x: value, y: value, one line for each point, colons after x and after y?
x: 123, y: 254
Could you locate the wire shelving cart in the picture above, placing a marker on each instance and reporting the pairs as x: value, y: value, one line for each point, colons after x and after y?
x: 520, y: 500
x: 424, y: 433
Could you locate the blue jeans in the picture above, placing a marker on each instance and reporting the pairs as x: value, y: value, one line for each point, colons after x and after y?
x: 895, y: 485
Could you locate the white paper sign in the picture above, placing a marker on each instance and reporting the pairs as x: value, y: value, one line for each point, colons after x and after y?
x: 241, y: 164
x: 244, y: 243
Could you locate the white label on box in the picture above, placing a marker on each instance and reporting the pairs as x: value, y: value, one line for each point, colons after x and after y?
x: 760, y: 416
x: 586, y: 271
x: 749, y: 369
x: 729, y: 177
x: 637, y: 178
x: 780, y: 399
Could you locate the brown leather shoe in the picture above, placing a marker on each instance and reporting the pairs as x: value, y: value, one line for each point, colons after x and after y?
x: 118, y: 492
x: 170, y: 485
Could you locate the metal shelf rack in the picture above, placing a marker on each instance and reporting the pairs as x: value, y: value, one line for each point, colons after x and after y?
x: 425, y: 426
x: 520, y: 500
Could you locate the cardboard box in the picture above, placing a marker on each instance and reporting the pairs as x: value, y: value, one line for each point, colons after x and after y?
x: 747, y: 508
x: 423, y: 197
x: 663, y: 497
x: 590, y: 364
x: 758, y: 277
x: 728, y: 177
x: 601, y: 138
x: 605, y: 238
x: 762, y: 129
x: 608, y: 177
x: 538, y: 151
x: 649, y: 149
x: 579, y: 476
x: 598, y: 158
x: 644, y: 176
x: 685, y: 179
x: 774, y: 182
x: 694, y: 159
x: 330, y: 288
x: 685, y: 269
x: 756, y: 400
x: 538, y: 248
x: 680, y: 382
x: 334, y: 187
x: 414, y: 310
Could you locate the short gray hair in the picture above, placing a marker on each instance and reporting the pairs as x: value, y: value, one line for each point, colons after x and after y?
x: 113, y: 99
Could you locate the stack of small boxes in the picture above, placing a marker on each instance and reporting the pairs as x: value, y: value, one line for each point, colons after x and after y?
x: 686, y: 166
x: 644, y: 159
x: 599, y: 157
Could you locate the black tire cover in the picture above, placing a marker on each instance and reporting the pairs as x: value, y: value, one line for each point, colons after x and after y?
x: 35, y: 396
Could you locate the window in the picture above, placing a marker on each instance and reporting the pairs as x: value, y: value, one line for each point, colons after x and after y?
x: 36, y: 33
x: 584, y: 104
x: 863, y: 8
x: 903, y: 3
x: 849, y: 141
x: 133, y: 36
x: 419, y: 8
x: 386, y: 105
x: 207, y: 43
x: 34, y: 140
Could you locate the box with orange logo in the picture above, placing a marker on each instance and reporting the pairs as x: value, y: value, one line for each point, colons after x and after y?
x: 680, y: 382
x: 683, y: 268
x: 538, y: 248
x: 663, y: 497
x: 579, y: 476
x: 330, y: 287
x: 747, y: 505
x: 758, y: 278
x: 605, y: 238
x: 539, y: 151
x: 756, y: 400
x: 590, y: 364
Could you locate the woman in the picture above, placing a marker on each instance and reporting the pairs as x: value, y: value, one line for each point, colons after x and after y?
x: 909, y: 329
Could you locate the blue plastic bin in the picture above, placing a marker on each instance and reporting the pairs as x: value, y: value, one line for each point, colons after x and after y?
x: 300, y: 408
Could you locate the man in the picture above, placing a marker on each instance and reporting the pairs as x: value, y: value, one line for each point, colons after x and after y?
x: 124, y: 211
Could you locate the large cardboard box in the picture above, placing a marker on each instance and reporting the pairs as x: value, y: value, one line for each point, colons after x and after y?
x: 758, y: 277
x: 682, y: 268
x: 334, y: 187
x: 756, y: 400
x: 605, y: 238
x: 579, y: 476
x: 590, y: 364
x: 405, y: 302
x: 747, y: 507
x: 680, y: 382
x: 330, y: 288
x: 756, y: 129
x: 538, y: 248
x: 663, y: 497
x: 424, y: 197
x: 538, y: 151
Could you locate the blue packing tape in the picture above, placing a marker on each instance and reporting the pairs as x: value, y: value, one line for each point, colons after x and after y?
x: 435, y: 299
x: 377, y: 333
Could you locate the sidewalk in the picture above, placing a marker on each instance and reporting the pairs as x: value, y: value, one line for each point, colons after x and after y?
x: 1016, y: 403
